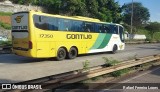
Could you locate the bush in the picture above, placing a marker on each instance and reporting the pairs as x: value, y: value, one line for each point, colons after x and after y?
x: 120, y: 72
x: 5, y: 43
x: 110, y: 62
x: 5, y: 26
x: 156, y: 36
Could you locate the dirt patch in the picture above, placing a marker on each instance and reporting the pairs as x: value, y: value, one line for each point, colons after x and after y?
x: 5, y: 19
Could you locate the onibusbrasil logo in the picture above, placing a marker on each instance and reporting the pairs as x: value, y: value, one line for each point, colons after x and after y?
x: 17, y: 86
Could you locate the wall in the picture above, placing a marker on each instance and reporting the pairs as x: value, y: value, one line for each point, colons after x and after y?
x: 5, y: 19
x: 8, y: 6
x: 135, y: 36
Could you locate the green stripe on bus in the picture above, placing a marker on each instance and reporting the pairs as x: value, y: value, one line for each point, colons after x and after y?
x: 105, y: 41
x: 98, y: 41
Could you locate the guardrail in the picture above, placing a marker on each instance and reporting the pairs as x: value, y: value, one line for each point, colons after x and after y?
x: 76, y: 76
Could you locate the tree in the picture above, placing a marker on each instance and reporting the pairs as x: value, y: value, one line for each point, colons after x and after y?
x: 72, y: 7
x: 153, y: 27
x: 26, y: 2
x: 105, y: 10
x: 140, y: 15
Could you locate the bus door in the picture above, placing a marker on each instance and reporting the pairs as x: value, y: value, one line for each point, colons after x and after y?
x: 121, y: 33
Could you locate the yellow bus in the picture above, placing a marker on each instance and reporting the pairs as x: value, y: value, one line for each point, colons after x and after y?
x: 41, y: 35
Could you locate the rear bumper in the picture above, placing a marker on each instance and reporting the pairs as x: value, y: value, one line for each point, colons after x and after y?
x: 26, y: 53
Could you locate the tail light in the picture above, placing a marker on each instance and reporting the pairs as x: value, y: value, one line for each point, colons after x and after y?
x: 30, y: 44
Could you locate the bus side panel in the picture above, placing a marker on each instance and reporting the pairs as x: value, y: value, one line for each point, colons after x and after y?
x: 43, y: 49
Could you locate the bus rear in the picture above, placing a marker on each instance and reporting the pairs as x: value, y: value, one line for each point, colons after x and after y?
x: 21, y: 37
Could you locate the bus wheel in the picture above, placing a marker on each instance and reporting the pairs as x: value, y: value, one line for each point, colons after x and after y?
x: 61, y: 54
x: 72, y: 53
x: 114, y: 50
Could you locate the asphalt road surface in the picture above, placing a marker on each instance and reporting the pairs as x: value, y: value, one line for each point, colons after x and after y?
x: 15, y: 69
x: 145, y: 81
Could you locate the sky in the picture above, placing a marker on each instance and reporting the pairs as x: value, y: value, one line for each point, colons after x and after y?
x: 152, y: 5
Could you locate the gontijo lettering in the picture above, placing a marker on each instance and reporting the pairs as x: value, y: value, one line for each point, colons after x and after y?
x: 79, y: 36
x: 19, y: 27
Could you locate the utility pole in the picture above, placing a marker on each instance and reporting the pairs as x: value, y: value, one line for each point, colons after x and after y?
x: 132, y: 19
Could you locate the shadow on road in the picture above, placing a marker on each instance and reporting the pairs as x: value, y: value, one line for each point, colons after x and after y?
x: 5, y: 81
x: 14, y: 59
x: 156, y: 72
x: 153, y: 48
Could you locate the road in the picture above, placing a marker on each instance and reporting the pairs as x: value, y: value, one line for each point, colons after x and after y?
x: 15, y: 69
x: 144, y: 81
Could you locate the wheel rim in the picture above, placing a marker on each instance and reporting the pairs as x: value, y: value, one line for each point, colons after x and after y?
x: 73, y: 53
x: 61, y: 54
x: 114, y: 49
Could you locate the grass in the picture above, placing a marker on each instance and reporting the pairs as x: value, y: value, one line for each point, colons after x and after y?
x: 120, y: 72
x: 156, y: 36
x: 5, y: 26
x: 86, y: 65
x: 5, y: 13
x: 112, y: 62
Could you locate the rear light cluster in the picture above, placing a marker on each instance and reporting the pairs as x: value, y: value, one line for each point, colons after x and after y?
x: 30, y: 45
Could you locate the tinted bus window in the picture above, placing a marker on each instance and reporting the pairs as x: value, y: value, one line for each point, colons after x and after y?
x: 97, y: 28
x: 89, y: 27
x: 114, y: 29
x: 60, y: 25
x: 67, y: 25
x: 41, y: 22
x: 77, y: 26
x: 52, y: 23
x: 105, y: 28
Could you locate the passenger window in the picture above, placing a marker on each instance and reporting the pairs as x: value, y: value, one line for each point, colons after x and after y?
x: 97, y: 28
x: 53, y: 23
x: 88, y: 27
x: 105, y: 29
x: 114, y: 29
x: 61, y: 25
x: 41, y: 22
x: 39, y: 18
x: 77, y: 26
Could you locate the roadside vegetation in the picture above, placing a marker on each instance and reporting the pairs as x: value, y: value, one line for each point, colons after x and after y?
x: 121, y: 73
x: 5, y: 13
x: 5, y: 43
x: 110, y: 62
x: 86, y: 65
x: 5, y: 26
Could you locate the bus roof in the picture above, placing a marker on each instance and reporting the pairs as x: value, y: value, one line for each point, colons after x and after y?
x: 80, y: 18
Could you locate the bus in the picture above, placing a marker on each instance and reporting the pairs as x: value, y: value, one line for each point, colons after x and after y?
x: 40, y: 35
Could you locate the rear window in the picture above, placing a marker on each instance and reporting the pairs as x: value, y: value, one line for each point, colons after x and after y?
x: 20, y: 22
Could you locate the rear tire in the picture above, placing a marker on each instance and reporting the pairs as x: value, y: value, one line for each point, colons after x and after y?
x: 114, y: 50
x: 72, y: 53
x: 61, y: 54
